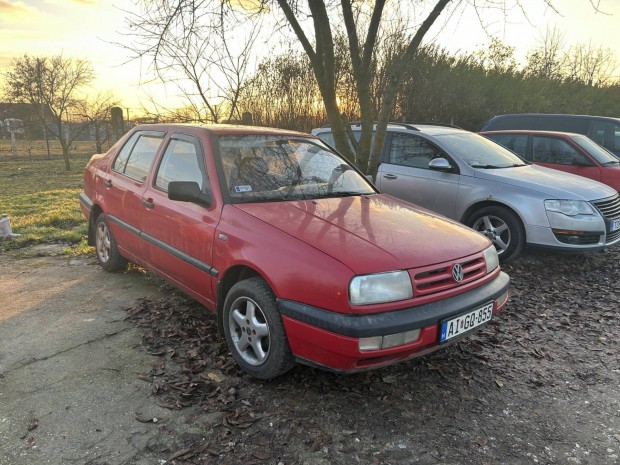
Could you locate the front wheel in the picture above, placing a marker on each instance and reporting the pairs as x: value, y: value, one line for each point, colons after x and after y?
x: 254, y: 330
x: 107, y: 252
x: 503, y: 227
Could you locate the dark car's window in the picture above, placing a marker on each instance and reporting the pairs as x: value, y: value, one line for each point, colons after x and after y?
x: 261, y: 168
x: 182, y: 161
x: 556, y: 151
x: 515, y: 142
x: 562, y: 124
x: 136, y: 156
x: 606, y: 134
x: 413, y: 151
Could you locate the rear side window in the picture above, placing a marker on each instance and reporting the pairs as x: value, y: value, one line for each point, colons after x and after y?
x: 413, y: 151
x: 182, y: 161
x: 606, y: 134
x: 511, y: 122
x: 562, y: 124
x: 137, y: 155
x: 557, y: 151
x: 515, y: 142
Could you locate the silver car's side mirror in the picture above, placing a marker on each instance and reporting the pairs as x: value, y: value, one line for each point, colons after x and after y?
x: 440, y: 164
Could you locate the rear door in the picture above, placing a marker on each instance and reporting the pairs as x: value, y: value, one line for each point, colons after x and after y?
x: 405, y: 173
x: 124, y: 185
x: 179, y: 235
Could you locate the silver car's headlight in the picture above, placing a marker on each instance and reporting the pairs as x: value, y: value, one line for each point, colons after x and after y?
x: 491, y: 258
x: 381, y: 287
x: 569, y: 207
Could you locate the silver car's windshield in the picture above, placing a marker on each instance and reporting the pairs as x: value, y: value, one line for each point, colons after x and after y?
x: 479, y: 152
x: 262, y: 168
x: 602, y: 155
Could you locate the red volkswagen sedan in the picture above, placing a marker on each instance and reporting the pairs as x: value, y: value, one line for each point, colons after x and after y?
x: 564, y: 151
x: 297, y: 254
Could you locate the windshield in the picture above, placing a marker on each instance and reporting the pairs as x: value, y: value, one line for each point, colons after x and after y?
x: 602, y: 155
x: 259, y: 168
x: 479, y: 152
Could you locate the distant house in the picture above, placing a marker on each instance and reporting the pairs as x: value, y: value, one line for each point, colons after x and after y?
x: 28, y: 114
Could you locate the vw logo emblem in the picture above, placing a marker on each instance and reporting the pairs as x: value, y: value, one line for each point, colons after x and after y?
x: 457, y: 273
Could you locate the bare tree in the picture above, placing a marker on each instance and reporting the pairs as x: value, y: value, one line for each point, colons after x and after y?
x: 50, y: 84
x: 589, y: 65
x: 548, y: 58
x: 96, y: 112
x: 197, y: 52
x: 315, y: 24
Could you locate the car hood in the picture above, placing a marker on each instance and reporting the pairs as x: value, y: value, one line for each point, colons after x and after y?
x: 554, y: 183
x: 371, y: 233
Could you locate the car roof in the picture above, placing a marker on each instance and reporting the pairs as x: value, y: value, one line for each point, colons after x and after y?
x: 223, y: 129
x: 533, y: 132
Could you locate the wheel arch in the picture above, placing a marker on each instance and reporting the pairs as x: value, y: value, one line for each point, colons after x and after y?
x: 95, y: 211
x: 231, y: 276
x: 490, y: 203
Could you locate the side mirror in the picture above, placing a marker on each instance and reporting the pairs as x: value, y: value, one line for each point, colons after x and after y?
x: 440, y: 164
x: 188, y: 191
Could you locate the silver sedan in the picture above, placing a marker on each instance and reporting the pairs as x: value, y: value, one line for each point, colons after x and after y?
x: 473, y: 180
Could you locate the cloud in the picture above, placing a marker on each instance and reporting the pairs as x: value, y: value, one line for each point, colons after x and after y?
x: 12, y: 7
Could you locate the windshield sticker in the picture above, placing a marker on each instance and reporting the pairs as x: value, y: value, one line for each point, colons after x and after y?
x: 242, y: 189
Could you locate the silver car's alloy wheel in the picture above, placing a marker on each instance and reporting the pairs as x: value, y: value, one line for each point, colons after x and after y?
x: 249, y: 331
x: 103, y: 244
x: 496, y: 230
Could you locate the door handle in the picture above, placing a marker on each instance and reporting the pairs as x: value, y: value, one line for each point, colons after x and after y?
x: 148, y: 203
x: 390, y: 176
x: 107, y: 183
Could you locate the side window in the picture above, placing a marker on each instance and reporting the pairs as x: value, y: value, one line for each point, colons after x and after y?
x: 136, y: 156
x: 413, y: 151
x: 605, y: 134
x: 557, y: 151
x: 515, y: 142
x: 562, y: 124
x: 123, y: 155
x: 182, y: 161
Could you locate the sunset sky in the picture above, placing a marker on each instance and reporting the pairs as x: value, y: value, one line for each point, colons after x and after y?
x: 90, y: 29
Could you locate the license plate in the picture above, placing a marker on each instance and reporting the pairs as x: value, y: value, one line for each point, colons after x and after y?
x: 465, y: 322
x: 614, y: 225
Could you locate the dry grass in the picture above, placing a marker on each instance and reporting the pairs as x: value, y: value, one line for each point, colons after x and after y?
x: 40, y: 196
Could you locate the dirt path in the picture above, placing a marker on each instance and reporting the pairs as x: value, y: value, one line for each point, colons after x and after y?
x: 540, y: 385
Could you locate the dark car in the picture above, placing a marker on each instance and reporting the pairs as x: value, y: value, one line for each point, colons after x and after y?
x: 564, y: 151
x: 603, y: 130
x: 296, y: 253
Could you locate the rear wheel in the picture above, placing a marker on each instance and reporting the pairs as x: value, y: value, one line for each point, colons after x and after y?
x: 254, y: 330
x: 503, y: 227
x: 107, y: 252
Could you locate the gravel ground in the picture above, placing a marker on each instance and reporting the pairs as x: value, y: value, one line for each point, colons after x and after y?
x: 540, y: 385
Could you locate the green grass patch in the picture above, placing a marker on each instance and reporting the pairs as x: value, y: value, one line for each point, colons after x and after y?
x: 41, y: 198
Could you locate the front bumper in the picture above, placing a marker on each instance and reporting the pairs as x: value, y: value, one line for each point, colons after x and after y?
x: 331, y: 340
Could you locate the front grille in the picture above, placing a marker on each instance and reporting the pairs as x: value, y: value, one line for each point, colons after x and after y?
x: 610, y: 209
x: 438, y: 278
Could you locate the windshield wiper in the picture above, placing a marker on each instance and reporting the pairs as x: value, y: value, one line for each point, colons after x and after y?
x: 495, y: 167
x: 340, y: 194
x: 612, y: 162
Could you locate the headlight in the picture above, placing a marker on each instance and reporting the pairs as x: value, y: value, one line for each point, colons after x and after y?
x: 569, y: 207
x: 491, y: 258
x: 381, y: 287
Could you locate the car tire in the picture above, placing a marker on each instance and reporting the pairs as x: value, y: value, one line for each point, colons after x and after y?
x: 254, y: 330
x: 106, y: 250
x: 503, y: 227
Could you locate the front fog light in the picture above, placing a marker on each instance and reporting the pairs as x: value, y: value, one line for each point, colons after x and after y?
x: 390, y: 340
